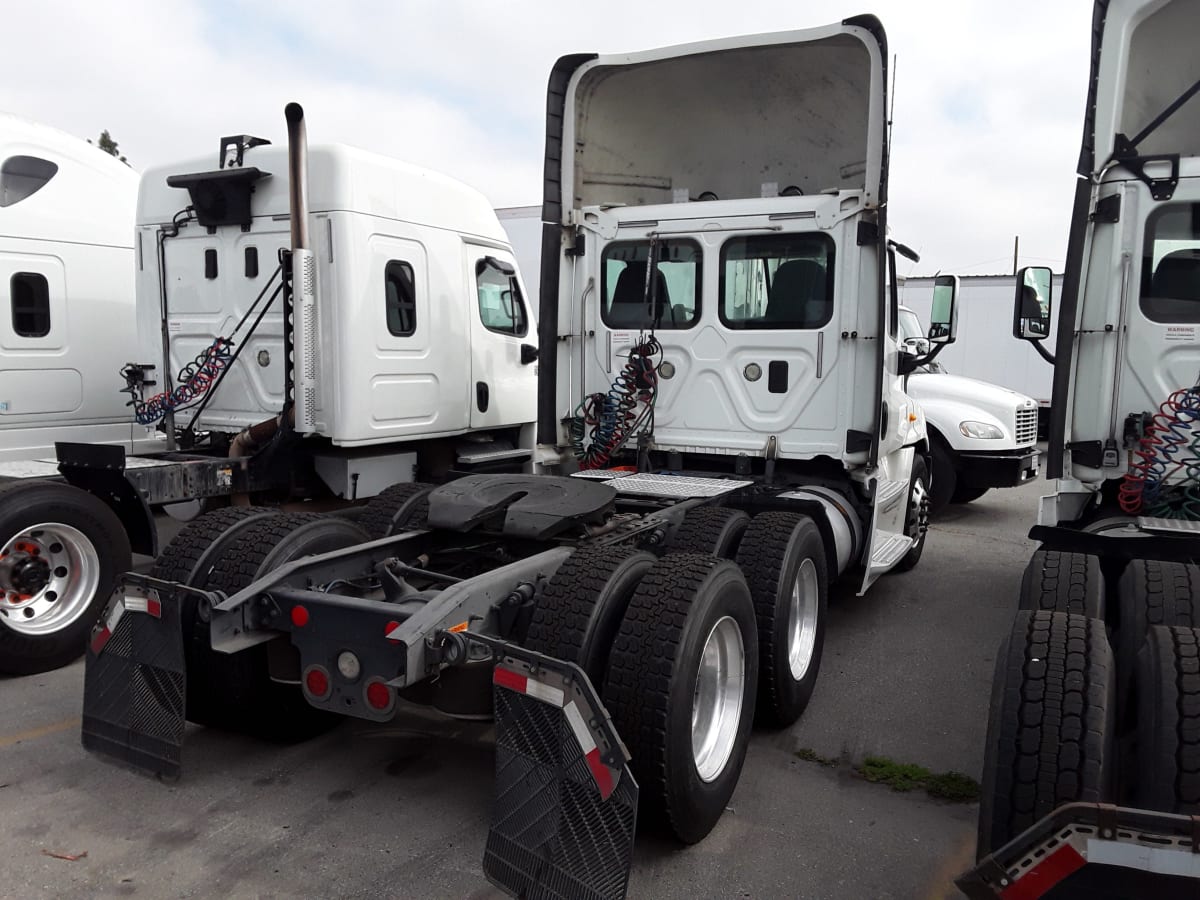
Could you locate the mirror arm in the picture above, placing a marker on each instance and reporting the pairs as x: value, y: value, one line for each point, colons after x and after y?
x: 1043, y: 352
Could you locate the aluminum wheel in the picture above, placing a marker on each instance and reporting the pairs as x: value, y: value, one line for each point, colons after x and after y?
x: 717, y: 703
x: 802, y: 619
x: 49, y: 574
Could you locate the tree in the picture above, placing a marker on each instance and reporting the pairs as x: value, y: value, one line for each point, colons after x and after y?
x: 109, y: 146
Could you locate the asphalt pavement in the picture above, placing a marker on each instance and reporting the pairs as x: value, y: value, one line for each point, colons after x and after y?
x: 401, y: 810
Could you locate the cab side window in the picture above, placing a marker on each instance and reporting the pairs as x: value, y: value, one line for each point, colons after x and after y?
x: 501, y: 306
x: 30, y: 297
x: 23, y: 176
x: 401, y: 298
x: 1170, y: 290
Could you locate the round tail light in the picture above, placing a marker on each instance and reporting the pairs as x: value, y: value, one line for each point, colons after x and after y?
x: 379, y: 696
x: 316, y: 682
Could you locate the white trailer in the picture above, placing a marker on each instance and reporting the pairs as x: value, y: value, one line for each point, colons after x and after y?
x: 68, y: 325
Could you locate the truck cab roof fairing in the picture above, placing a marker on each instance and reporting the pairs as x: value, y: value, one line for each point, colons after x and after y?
x: 643, y: 125
x: 1140, y: 65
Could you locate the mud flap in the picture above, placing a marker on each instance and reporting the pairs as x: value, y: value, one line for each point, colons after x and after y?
x: 133, y: 685
x: 565, y: 805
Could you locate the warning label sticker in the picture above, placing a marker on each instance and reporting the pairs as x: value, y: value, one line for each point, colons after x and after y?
x: 1181, y: 333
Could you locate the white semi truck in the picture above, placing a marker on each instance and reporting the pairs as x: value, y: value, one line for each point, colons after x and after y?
x: 66, y: 262
x: 1091, y: 782
x: 418, y: 360
x: 981, y: 435
x: 722, y: 432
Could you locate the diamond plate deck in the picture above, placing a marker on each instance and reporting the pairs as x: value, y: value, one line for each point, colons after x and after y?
x: 1175, y: 526
x: 676, y: 486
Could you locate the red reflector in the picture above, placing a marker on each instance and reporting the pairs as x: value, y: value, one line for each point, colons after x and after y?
x: 316, y: 681
x: 299, y: 616
x: 1036, y: 882
x: 379, y: 695
x: 507, y: 678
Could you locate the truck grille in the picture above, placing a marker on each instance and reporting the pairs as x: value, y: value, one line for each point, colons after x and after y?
x: 1027, y: 426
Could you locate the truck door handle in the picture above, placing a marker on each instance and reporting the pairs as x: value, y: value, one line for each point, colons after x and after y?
x: 529, y: 353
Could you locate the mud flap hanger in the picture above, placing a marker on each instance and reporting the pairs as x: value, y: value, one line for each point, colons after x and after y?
x: 565, y: 803
x: 562, y: 685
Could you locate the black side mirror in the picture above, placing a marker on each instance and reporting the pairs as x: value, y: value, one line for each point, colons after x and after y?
x: 943, y: 317
x: 1032, y: 305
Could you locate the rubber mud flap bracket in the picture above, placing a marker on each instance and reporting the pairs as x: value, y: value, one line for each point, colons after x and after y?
x: 565, y: 805
x: 133, y: 685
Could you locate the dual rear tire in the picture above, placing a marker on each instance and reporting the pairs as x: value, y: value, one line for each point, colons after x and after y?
x: 684, y: 649
x: 226, y: 551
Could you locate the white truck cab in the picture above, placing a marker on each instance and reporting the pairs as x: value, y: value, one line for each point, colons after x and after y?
x: 402, y: 348
x: 982, y: 436
x: 66, y: 263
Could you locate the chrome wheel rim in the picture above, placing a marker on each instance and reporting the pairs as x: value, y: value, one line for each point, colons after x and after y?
x: 49, y: 574
x: 919, y: 514
x: 717, y: 703
x: 802, y: 620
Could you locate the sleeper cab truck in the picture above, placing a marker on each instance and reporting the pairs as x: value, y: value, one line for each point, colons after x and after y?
x: 722, y: 431
x: 1091, y: 782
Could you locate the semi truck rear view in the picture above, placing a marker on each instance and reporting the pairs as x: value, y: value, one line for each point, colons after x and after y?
x: 1092, y: 773
x: 721, y: 432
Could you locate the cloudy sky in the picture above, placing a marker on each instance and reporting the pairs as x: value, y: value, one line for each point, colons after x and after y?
x: 988, y: 106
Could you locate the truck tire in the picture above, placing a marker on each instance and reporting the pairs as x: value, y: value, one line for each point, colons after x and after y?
x: 235, y: 691
x: 783, y: 558
x: 1050, y: 737
x: 1168, y: 721
x: 1152, y: 593
x: 680, y: 688
x: 710, y: 529
x: 966, y: 494
x: 61, y: 550
x: 944, y: 474
x: 916, y: 514
x: 192, y: 550
x: 578, y: 613
x: 395, y: 508
x: 1061, y: 581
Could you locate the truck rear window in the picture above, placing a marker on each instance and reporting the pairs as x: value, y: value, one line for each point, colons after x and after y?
x: 1170, y: 290
x: 778, y: 281
x: 674, y: 300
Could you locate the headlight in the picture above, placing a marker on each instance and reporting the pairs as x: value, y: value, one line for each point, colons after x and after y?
x: 980, y: 430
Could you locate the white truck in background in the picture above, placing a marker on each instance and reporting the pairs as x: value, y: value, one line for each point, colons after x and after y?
x: 329, y: 400
x: 981, y: 436
x: 1091, y: 778
x: 985, y: 310
x: 68, y: 323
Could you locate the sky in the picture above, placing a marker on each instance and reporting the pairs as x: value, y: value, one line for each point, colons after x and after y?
x: 988, y: 103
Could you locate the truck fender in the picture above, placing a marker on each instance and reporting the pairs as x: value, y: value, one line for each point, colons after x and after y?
x: 122, y: 498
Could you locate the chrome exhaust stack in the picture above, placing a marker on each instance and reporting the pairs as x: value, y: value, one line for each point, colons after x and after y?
x: 304, y: 276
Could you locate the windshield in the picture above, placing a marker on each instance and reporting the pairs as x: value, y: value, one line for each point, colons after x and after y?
x: 910, y: 325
